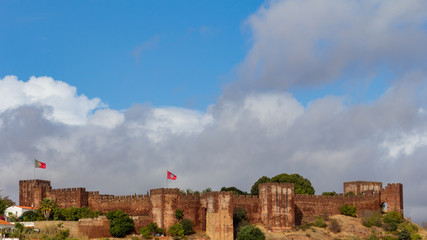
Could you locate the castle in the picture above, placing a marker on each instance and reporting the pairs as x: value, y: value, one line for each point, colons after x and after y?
x: 277, y: 206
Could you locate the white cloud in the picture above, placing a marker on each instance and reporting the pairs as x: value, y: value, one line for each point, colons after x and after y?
x: 298, y: 43
x: 67, y: 106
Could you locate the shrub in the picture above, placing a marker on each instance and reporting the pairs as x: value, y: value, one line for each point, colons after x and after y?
x: 334, y: 226
x: 120, y: 223
x: 329, y: 193
x: 176, y: 230
x: 373, y: 237
x: 349, y: 194
x: 239, y: 219
x: 319, y: 222
x: 405, y: 234
x: 150, y: 230
x: 348, y: 210
x: 375, y: 219
x: 416, y: 236
x: 389, y: 238
x: 187, y: 225
x: 250, y: 232
x: 392, y: 220
x: 179, y: 214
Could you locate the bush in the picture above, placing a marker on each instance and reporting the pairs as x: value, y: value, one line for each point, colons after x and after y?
x: 319, y: 222
x: 329, y: 193
x: 150, y: 230
x: 348, y: 210
x: 375, y: 219
x: 389, y: 238
x: 250, y: 232
x: 176, y: 230
x: 392, y: 220
x: 239, y: 219
x: 179, y: 214
x: 405, y: 234
x: 187, y: 225
x: 120, y: 223
x: 373, y: 237
x: 349, y: 194
x: 334, y: 226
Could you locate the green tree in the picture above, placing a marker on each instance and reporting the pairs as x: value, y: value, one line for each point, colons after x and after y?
x: 392, y: 220
x: 250, y: 232
x: 46, y: 208
x: 30, y: 216
x: 348, y: 210
x: 235, y: 190
x: 187, y: 225
x: 254, y: 188
x: 176, y: 230
x: 179, y: 214
x: 5, y: 202
x: 120, y: 223
x: 333, y: 193
x: 302, y: 185
x: 150, y: 230
x: 239, y: 219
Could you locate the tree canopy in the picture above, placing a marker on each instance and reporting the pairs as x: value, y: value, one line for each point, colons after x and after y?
x: 302, y: 185
x: 263, y: 179
x: 235, y: 190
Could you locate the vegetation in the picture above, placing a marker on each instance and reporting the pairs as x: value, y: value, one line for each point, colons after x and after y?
x: 392, y: 220
x: 187, y: 225
x: 46, y: 208
x: 319, y: 222
x: 239, y: 219
x: 372, y: 219
x: 5, y: 202
x: 120, y: 223
x: 329, y: 193
x: 348, y: 210
x: 335, y: 226
x: 250, y: 232
x: 176, y: 230
x: 150, y: 231
x: 235, y: 190
x: 263, y: 179
x: 302, y: 185
x: 179, y: 214
x: 349, y: 194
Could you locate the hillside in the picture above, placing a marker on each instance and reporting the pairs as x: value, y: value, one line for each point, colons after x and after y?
x: 351, y: 228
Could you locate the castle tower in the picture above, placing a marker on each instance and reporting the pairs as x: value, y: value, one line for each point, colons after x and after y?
x: 32, y: 192
x: 392, y: 194
x: 277, y: 205
x: 164, y: 202
x: 219, y: 216
x: 362, y: 187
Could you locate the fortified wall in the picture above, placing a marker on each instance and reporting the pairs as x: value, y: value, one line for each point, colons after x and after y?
x: 277, y: 206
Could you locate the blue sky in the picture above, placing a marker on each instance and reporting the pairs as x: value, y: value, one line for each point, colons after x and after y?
x: 168, y: 53
x: 139, y: 87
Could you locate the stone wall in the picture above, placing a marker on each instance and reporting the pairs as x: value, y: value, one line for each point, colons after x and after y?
x: 309, y: 206
x: 392, y: 194
x: 134, y: 205
x: 277, y: 207
x: 361, y: 187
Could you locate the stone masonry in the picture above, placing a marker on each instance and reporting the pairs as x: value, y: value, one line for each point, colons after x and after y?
x: 277, y: 207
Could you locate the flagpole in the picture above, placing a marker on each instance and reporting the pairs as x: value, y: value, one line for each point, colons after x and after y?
x: 34, y: 165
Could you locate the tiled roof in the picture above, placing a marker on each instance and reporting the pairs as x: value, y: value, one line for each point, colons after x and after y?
x: 2, y: 222
x: 23, y: 207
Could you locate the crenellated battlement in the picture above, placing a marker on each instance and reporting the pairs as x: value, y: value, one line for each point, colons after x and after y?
x: 277, y: 206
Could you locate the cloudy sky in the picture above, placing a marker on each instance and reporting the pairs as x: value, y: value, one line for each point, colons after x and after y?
x: 112, y: 94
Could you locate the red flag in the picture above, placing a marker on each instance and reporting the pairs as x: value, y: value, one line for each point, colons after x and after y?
x: 39, y: 164
x: 171, y: 176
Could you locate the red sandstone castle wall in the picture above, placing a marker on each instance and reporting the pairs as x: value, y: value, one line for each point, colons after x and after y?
x: 192, y: 208
x: 251, y: 204
x: 309, y: 206
x: 392, y: 194
x: 359, y: 187
x: 68, y: 197
x: 32, y: 192
x: 134, y: 205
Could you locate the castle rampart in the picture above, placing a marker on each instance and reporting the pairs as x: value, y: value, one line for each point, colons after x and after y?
x: 277, y: 206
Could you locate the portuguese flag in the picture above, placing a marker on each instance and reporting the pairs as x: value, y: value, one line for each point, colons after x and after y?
x: 38, y: 164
